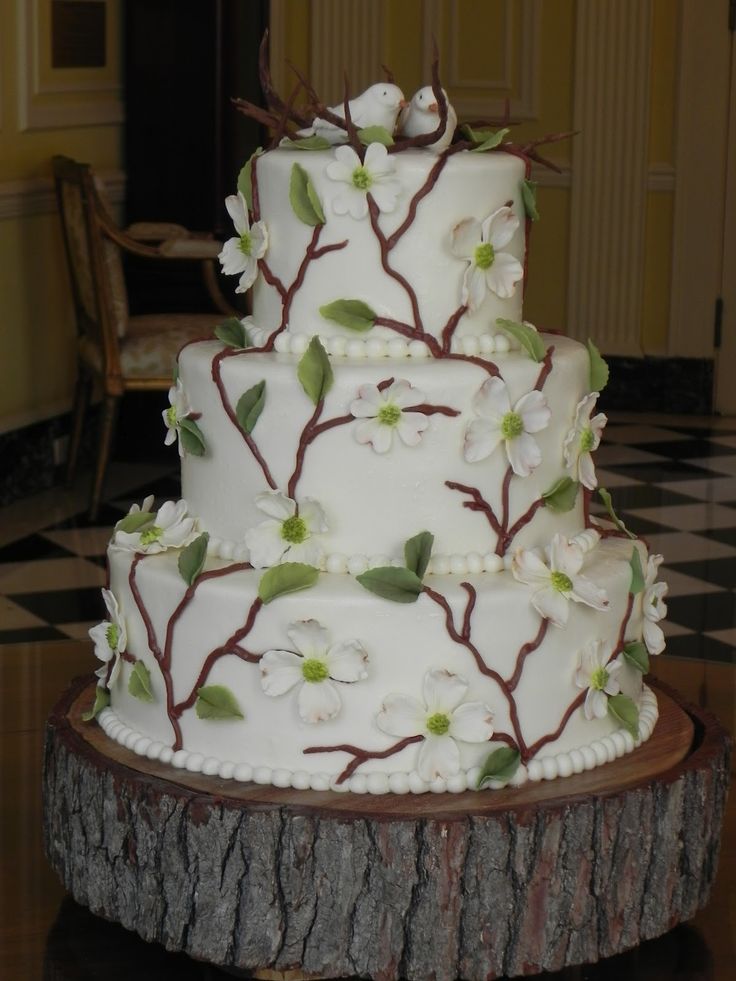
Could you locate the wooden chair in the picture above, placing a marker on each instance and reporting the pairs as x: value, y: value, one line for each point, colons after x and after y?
x: 119, y: 351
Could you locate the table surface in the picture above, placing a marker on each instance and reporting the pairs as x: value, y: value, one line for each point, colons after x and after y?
x: 45, y: 935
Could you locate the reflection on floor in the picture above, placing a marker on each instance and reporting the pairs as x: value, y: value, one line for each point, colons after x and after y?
x: 673, y: 482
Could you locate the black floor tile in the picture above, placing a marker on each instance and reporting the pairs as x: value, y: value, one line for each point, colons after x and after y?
x: 31, y: 549
x: 645, y: 496
x: 661, y: 473
x: 106, y: 518
x: 721, y: 572
x: 687, y: 449
x: 641, y: 526
x: 700, y: 646
x: 64, y: 605
x: 711, y: 611
x: 699, y: 432
x: 726, y: 536
x: 27, y: 635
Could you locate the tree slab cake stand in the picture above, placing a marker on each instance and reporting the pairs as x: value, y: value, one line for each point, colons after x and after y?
x: 472, y: 885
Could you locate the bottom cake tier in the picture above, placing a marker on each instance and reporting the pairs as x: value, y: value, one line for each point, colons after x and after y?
x: 335, y: 687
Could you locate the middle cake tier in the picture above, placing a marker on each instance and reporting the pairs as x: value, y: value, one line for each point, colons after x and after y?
x: 472, y: 451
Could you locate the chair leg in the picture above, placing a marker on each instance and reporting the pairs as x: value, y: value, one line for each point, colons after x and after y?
x: 81, y: 402
x: 110, y: 408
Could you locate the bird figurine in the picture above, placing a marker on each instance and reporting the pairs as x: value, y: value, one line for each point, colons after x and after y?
x: 422, y: 116
x: 379, y: 105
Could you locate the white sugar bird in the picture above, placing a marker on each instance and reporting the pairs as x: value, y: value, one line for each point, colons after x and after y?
x: 379, y: 105
x: 422, y: 116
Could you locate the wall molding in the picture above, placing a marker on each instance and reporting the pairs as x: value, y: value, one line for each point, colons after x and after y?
x: 35, y: 196
x: 345, y: 37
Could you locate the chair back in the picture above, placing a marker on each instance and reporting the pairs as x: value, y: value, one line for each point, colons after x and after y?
x: 94, y: 265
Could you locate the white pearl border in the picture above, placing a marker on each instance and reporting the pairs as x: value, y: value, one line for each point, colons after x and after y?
x: 600, y: 751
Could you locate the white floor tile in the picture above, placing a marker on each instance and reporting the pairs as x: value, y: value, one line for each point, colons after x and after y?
x: 708, y: 489
x: 48, y: 575
x: 718, y: 464
x: 689, y: 517
x: 616, y: 456
x: 81, y: 541
x: 631, y: 435
x: 14, y: 617
x: 682, y: 546
x: 609, y: 479
x: 683, y: 585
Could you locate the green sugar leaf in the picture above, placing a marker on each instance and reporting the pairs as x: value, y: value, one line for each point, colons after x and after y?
x: 375, y: 134
x: 303, y: 197
x: 250, y: 405
x: 637, y: 656
x: 286, y: 578
x: 102, y: 700
x: 487, y: 139
x: 307, y: 143
x: 353, y: 314
x: 623, y: 710
x: 526, y: 336
x: 191, y: 437
x: 315, y: 371
x: 598, y: 369
x: 606, y: 498
x: 135, y: 521
x: 139, y: 683
x: 529, y: 197
x: 417, y: 552
x: 399, y: 585
x: 562, y: 495
x: 233, y: 333
x: 191, y: 558
x: 245, y: 185
x: 217, y: 702
x: 637, y: 573
x: 500, y: 766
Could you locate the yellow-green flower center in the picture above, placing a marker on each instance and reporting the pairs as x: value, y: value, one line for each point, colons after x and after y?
x: 587, y: 440
x: 389, y: 414
x: 438, y: 724
x: 113, y: 636
x: 512, y: 425
x: 151, y: 535
x: 171, y: 416
x: 294, y: 530
x: 362, y: 179
x: 246, y: 244
x: 484, y: 255
x: 561, y: 582
x: 314, y: 670
x: 598, y: 679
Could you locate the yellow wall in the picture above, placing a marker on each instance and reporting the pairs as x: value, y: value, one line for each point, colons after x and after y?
x: 41, y: 109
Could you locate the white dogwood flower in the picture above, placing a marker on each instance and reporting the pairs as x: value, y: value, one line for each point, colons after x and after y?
x: 583, y: 438
x: 373, y: 176
x: 110, y: 639
x: 653, y: 607
x: 599, y: 675
x: 556, y: 579
x: 240, y: 255
x: 288, y: 535
x: 170, y: 527
x: 179, y: 409
x: 384, y: 412
x: 315, y: 666
x: 443, y: 719
x: 478, y: 243
x: 499, y: 423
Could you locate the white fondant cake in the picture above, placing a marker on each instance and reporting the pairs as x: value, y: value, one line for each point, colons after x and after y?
x: 383, y: 575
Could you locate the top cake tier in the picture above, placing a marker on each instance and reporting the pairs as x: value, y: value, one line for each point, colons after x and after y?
x: 427, y: 242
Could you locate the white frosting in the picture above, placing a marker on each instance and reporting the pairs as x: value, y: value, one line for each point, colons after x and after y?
x: 395, y: 348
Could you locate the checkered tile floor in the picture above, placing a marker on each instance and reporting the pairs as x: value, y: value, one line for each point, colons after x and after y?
x: 674, y: 484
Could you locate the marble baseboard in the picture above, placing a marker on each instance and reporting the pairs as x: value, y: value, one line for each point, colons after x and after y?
x: 675, y: 385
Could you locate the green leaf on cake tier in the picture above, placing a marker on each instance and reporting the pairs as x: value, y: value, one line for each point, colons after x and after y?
x: 315, y: 371
x: 526, y: 335
x: 139, y: 683
x: 353, y: 314
x: 500, y: 766
x: 102, y: 700
x: 307, y: 143
x: 191, y: 437
x: 289, y: 577
x: 217, y: 702
x: 303, y: 197
x: 637, y: 656
x: 250, y: 405
x: 245, y: 185
x: 375, y: 134
x: 233, y: 333
x: 606, y: 498
x: 392, y: 583
x: 598, y: 369
x: 487, y: 139
x: 637, y: 573
x: 562, y: 495
x: 624, y: 711
x: 417, y: 552
x: 135, y: 521
x: 191, y: 558
x: 529, y: 197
